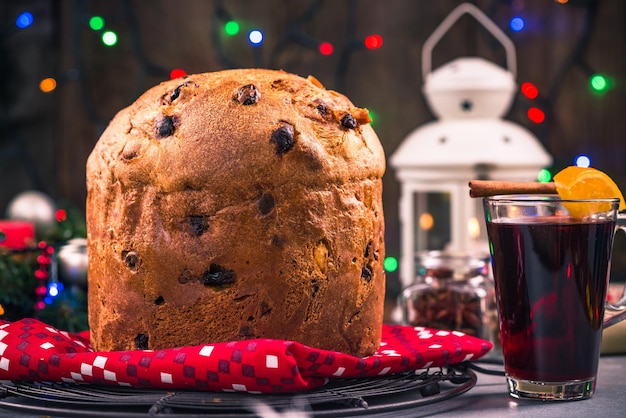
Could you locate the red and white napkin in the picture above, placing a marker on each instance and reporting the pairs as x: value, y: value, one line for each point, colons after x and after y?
x: 30, y: 350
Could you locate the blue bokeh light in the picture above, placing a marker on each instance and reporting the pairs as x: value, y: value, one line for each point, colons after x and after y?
x: 255, y: 37
x: 54, y: 289
x: 517, y: 24
x: 24, y: 20
x: 583, y: 161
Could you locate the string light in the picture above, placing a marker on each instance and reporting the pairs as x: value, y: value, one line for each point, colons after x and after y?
x: 373, y: 41
x: 231, y: 28
x: 599, y: 83
x: 96, y: 23
x: 536, y: 115
x: 544, y: 175
x: 390, y: 264
x: 24, y: 20
x: 177, y: 72
x: 47, y: 85
x: 109, y: 38
x: 517, y: 24
x: 529, y: 90
x: 42, y: 274
x: 60, y: 215
x: 325, y: 48
x: 54, y: 288
x: 255, y: 37
x: 582, y: 161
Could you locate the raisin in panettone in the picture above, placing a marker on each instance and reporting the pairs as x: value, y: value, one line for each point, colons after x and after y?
x: 235, y: 205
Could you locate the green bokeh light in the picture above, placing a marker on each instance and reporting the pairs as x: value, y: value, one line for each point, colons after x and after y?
x: 544, y: 175
x: 599, y: 83
x: 231, y: 28
x: 390, y: 264
x: 96, y: 23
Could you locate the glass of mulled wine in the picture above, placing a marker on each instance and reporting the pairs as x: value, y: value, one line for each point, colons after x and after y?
x: 551, y: 274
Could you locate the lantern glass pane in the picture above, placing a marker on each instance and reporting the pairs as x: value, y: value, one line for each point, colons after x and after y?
x: 480, y: 232
x: 432, y: 221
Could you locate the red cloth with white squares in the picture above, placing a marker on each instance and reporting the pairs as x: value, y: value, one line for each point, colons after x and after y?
x: 30, y: 350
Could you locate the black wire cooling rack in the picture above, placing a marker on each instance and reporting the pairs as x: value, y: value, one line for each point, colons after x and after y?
x: 389, y: 396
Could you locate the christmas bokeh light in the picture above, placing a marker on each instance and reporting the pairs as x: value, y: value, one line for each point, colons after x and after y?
x: 109, y: 38
x: 255, y: 37
x: 177, y: 72
x: 583, y: 161
x: 599, y: 83
x: 24, y: 20
x: 373, y: 41
x: 529, y: 90
x: 517, y: 24
x: 231, y: 28
x: 536, y: 115
x: 47, y: 85
x: 60, y: 215
x: 326, y: 48
x: 390, y: 264
x: 544, y: 175
x: 96, y: 23
x: 54, y: 288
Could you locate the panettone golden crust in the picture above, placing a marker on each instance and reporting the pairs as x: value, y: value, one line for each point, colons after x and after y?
x: 235, y: 205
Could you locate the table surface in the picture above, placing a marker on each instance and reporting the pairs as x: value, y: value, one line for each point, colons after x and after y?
x: 489, y: 399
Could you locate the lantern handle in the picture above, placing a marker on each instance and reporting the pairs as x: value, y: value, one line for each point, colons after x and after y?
x: 481, y: 18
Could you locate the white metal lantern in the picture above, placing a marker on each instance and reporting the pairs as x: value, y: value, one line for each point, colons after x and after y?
x: 469, y: 140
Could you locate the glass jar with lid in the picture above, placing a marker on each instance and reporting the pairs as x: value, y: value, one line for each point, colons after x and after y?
x: 452, y: 291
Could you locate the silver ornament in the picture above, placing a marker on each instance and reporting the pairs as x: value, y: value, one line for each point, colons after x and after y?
x: 36, y: 207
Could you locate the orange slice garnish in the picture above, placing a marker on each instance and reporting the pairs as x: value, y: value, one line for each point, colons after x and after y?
x: 579, y: 183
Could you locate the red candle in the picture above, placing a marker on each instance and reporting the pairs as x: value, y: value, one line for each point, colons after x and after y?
x: 16, y: 235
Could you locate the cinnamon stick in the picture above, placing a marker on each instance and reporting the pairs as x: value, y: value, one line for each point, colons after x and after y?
x: 482, y: 188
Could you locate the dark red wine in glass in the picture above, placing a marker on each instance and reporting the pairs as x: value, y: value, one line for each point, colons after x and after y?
x: 551, y: 282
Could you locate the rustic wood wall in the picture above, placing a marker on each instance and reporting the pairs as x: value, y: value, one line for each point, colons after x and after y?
x: 45, y: 142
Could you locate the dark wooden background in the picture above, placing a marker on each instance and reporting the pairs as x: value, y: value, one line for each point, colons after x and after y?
x: 45, y: 138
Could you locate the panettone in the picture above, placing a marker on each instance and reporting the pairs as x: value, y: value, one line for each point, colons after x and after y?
x: 234, y: 205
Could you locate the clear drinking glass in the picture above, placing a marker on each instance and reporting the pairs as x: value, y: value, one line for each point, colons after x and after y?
x: 551, y: 275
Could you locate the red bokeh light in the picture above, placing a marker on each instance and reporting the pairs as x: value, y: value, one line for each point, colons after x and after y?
x: 60, y: 215
x: 326, y: 48
x: 529, y: 90
x: 177, y: 72
x: 373, y: 41
x: 536, y: 115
